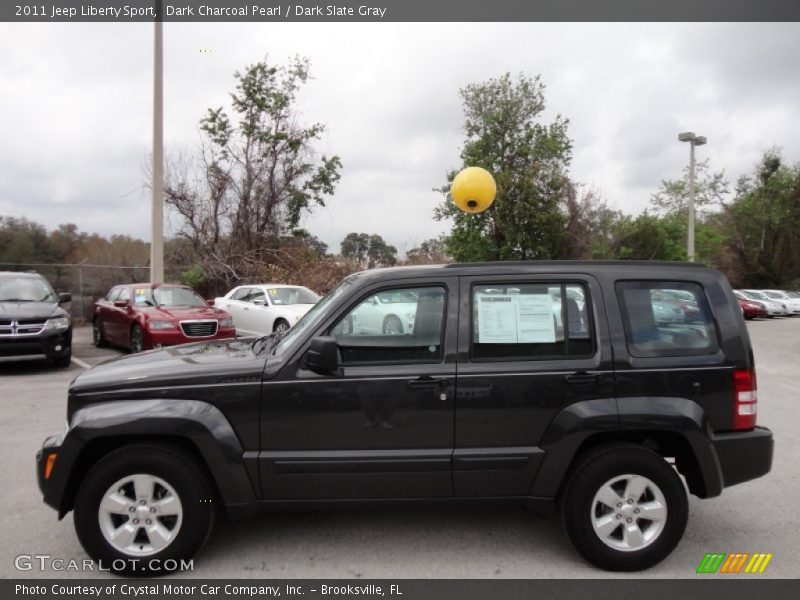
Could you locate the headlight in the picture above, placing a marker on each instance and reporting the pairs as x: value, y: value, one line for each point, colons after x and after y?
x: 57, y: 324
x: 155, y: 324
x: 410, y: 316
x: 226, y: 322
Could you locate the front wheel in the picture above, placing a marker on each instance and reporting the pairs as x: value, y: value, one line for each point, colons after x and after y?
x: 143, y: 509
x: 98, y: 335
x: 624, y: 507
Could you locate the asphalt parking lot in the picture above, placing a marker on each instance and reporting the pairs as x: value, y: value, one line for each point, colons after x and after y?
x: 759, y: 516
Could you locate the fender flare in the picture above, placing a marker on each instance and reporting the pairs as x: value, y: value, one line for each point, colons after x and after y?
x: 199, y: 423
x: 625, y: 418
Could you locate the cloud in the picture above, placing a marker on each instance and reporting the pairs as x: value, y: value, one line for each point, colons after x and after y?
x: 77, y: 103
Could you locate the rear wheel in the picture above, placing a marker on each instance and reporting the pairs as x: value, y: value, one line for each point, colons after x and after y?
x: 392, y: 326
x: 143, y: 503
x: 98, y: 335
x: 624, y: 507
x: 137, y: 339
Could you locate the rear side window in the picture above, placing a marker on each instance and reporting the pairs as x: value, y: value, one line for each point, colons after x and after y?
x: 669, y: 318
x: 529, y: 321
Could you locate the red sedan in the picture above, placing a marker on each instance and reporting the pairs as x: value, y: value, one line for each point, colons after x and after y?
x: 751, y: 309
x: 142, y: 316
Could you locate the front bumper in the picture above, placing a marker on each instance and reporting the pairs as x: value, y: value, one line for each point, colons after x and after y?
x: 24, y: 347
x: 53, y: 487
x: 744, y: 455
x: 172, y: 337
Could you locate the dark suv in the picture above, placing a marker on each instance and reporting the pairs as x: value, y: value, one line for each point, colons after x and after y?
x: 572, y: 384
x: 32, y: 323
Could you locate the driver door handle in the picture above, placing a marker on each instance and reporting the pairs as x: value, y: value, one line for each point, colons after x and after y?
x: 426, y: 382
x: 583, y: 378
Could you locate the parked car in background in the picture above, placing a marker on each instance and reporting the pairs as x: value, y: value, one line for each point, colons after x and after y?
x: 143, y: 316
x: 686, y: 302
x: 260, y: 309
x: 750, y: 308
x: 792, y: 304
x: 774, y: 308
x: 32, y: 323
x: 387, y: 313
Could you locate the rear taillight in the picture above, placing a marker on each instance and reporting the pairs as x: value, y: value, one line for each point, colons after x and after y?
x: 745, y: 398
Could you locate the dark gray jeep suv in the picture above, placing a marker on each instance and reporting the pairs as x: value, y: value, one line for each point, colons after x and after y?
x: 577, y: 385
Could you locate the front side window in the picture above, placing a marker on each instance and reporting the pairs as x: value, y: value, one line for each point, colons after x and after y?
x: 292, y: 295
x: 398, y: 325
x: 524, y: 321
x: 666, y: 319
x: 256, y: 295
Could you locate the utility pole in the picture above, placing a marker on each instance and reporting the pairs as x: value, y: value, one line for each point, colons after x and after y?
x: 157, y: 221
x: 694, y: 140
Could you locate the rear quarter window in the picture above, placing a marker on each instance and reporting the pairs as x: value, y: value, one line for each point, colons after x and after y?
x: 666, y: 318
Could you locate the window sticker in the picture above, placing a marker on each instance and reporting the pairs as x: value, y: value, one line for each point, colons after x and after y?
x: 535, y: 323
x: 140, y: 295
x: 516, y: 319
x: 497, y: 320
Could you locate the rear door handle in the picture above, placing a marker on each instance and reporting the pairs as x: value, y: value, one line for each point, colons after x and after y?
x: 583, y: 378
x: 427, y: 382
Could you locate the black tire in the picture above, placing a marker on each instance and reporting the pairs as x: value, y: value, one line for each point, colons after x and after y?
x: 592, y: 471
x: 62, y: 361
x: 170, y: 465
x: 137, y: 339
x: 392, y: 326
x: 280, y: 326
x: 98, y: 335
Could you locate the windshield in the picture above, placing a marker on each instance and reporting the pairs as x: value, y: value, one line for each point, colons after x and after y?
x: 793, y: 294
x: 26, y: 289
x: 292, y: 295
x: 312, y: 318
x: 775, y: 295
x: 756, y: 295
x: 166, y: 296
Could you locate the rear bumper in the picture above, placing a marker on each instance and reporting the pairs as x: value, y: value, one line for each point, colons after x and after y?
x: 744, y: 455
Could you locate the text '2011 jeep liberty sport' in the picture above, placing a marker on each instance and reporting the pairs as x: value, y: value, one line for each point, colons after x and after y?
x: 571, y: 383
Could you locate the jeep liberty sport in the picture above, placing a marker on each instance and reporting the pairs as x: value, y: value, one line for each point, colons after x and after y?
x: 579, y: 385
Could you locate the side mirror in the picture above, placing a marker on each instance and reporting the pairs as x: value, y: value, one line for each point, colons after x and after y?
x: 210, y: 301
x: 323, y: 355
x: 64, y: 298
x: 260, y: 302
x: 121, y: 303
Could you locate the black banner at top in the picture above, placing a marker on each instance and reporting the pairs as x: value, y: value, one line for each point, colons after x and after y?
x: 398, y: 10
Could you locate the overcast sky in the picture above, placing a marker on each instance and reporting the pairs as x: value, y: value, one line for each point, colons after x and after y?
x: 76, y: 101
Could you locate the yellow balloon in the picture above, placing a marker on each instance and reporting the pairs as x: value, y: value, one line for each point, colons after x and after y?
x: 473, y: 190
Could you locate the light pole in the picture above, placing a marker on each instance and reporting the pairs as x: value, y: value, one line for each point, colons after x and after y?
x: 694, y: 140
x: 157, y: 221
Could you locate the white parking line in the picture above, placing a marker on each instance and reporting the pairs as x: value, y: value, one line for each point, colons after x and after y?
x: 80, y: 363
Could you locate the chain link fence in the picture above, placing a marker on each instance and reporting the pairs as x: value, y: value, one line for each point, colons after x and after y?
x: 87, y: 282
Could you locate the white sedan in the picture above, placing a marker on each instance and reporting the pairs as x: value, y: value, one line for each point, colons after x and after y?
x: 266, y: 308
x: 387, y: 313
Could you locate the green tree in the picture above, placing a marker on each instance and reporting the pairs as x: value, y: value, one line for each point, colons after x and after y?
x: 762, y: 225
x: 528, y: 158
x: 258, y: 174
x: 368, y: 251
x: 648, y: 237
x: 429, y: 252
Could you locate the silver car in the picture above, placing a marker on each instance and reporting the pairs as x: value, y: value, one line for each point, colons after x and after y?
x: 792, y: 303
x: 774, y: 307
